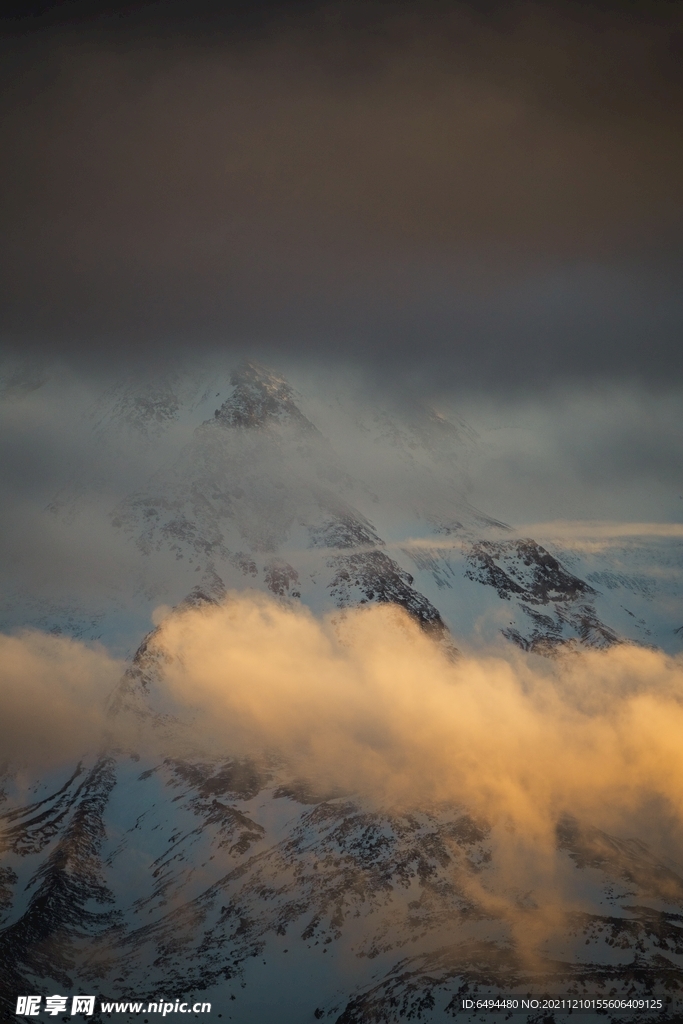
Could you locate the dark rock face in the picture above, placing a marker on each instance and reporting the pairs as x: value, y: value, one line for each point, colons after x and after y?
x: 345, y: 529
x: 282, y: 578
x: 260, y: 397
x: 373, y: 576
x: 568, y: 626
x: 237, y: 779
x: 8, y: 879
x: 524, y: 569
x: 524, y: 572
x: 66, y: 888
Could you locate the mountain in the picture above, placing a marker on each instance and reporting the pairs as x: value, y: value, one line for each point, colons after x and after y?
x: 236, y: 881
x: 363, y: 505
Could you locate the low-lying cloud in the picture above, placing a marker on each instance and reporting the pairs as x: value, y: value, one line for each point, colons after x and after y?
x: 52, y: 698
x: 365, y: 702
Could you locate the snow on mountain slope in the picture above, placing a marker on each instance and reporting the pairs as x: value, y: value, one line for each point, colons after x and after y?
x: 233, y: 883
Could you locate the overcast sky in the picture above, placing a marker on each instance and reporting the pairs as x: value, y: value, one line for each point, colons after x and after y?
x: 468, y: 196
x: 474, y: 206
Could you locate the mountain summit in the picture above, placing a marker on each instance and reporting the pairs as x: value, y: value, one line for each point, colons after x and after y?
x: 260, y: 397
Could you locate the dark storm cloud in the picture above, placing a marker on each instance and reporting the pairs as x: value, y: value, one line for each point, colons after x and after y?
x: 470, y: 192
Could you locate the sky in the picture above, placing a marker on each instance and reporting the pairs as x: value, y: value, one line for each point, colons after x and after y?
x: 470, y: 206
x: 467, y: 196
